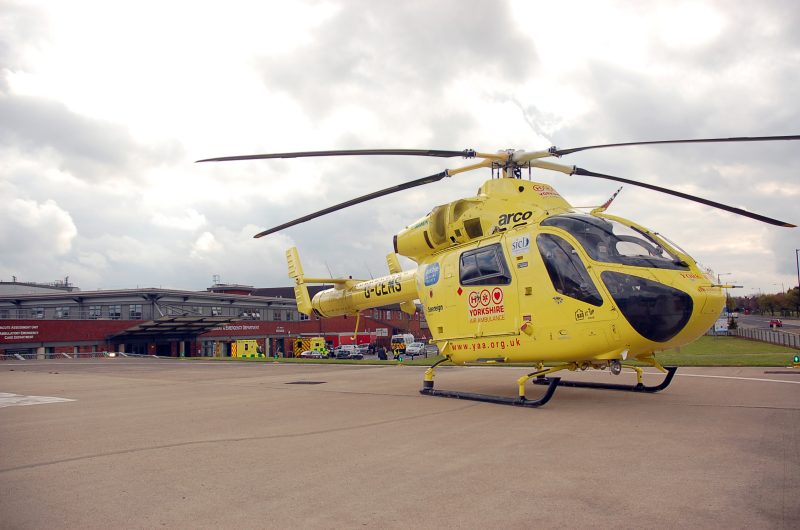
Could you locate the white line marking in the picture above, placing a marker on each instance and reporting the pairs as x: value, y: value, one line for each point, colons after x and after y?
x: 11, y: 400
x: 677, y: 374
x: 741, y: 378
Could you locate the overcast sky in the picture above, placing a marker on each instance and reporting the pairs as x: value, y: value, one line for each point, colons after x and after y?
x: 105, y: 106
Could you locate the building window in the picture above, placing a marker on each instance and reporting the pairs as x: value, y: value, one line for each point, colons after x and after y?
x: 3, y: 313
x: 289, y: 315
x: 62, y: 312
x: 250, y: 314
x: 94, y: 312
x: 276, y: 315
x: 303, y: 317
x: 114, y: 312
x: 216, y: 311
x: 197, y: 310
x: 135, y: 311
x: 388, y: 315
x: 37, y: 312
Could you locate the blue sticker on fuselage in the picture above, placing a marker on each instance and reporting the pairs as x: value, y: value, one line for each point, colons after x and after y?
x: 431, y: 274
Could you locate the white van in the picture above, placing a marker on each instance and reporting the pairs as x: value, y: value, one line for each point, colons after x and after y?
x: 399, y: 343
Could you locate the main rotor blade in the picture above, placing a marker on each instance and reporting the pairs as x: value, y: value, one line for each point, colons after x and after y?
x: 732, y: 209
x: 466, y: 153
x: 386, y: 191
x: 560, y: 152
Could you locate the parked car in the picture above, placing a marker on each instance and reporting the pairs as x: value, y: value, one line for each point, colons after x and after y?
x: 776, y: 322
x: 414, y: 349
x: 431, y: 350
x: 347, y: 351
x: 311, y: 354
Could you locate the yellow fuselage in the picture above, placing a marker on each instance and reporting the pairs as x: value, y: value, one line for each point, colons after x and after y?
x: 526, y: 310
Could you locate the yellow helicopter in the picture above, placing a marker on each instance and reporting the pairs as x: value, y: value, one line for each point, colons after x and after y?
x: 516, y: 274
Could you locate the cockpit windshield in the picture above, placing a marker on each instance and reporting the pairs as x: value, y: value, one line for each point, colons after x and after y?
x: 613, y: 242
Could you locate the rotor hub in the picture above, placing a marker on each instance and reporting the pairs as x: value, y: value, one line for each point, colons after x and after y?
x: 510, y: 165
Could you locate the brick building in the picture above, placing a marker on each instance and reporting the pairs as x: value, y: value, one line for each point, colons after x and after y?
x: 51, y: 319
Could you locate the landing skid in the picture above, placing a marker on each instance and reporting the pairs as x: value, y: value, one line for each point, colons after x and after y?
x: 520, y: 401
x: 638, y: 387
x: 539, y: 377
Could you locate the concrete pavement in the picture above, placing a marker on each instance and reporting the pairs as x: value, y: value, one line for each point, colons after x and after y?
x: 195, y: 444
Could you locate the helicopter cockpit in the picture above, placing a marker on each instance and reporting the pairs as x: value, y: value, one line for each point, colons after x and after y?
x: 655, y: 310
x: 610, y: 241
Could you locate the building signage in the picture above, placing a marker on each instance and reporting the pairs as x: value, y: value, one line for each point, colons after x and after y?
x: 19, y: 332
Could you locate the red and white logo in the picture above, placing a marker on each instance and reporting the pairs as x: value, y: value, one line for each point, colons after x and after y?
x: 474, y: 299
x: 486, y: 305
x: 497, y: 295
x: 485, y: 297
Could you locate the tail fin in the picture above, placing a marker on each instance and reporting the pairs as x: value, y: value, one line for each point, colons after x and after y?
x: 300, y: 288
x: 407, y: 307
x: 605, y: 205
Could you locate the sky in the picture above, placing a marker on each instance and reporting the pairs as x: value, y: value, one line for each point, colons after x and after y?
x: 106, y: 106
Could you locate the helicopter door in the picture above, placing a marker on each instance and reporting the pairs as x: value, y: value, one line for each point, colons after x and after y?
x: 560, y: 297
x: 486, y: 292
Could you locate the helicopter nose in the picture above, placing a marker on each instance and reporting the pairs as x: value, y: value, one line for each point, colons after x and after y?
x: 656, y: 311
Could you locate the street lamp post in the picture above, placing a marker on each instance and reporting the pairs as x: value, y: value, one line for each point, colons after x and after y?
x: 726, y: 291
x: 797, y: 261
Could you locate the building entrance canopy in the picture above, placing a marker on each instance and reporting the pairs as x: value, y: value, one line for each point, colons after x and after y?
x: 171, y: 328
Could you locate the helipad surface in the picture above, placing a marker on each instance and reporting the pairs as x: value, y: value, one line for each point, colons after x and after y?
x: 193, y: 444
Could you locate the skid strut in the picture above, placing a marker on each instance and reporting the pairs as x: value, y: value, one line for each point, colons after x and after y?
x: 638, y: 387
x: 520, y: 401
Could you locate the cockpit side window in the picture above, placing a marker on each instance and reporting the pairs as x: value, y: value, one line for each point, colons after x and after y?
x: 484, y: 266
x: 566, y: 270
x: 613, y: 242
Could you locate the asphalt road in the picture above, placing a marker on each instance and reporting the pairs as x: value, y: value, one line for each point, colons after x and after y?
x: 149, y: 443
x: 790, y: 325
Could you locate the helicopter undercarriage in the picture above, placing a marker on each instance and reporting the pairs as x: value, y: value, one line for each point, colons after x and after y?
x: 540, y: 377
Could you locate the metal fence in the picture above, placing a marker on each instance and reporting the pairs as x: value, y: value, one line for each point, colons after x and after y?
x: 781, y: 338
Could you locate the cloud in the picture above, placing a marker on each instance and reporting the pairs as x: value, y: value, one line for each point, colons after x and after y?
x: 189, y: 220
x: 23, y: 27
x: 89, y: 149
x: 389, y: 55
x: 30, y: 230
x: 205, y: 244
x: 101, y: 128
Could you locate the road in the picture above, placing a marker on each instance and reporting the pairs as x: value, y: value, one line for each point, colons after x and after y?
x: 146, y: 443
x: 762, y: 321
